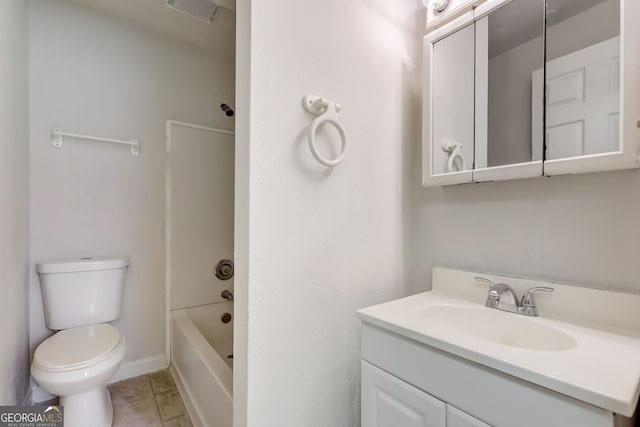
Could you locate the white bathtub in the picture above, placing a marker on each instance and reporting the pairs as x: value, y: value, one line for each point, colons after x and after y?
x: 202, y: 362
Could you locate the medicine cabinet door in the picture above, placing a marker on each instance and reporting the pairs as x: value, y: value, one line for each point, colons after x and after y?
x: 592, y: 90
x: 508, y: 122
x: 448, y: 103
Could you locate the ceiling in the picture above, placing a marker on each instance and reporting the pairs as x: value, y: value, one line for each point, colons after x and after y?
x: 217, y: 37
x: 521, y: 21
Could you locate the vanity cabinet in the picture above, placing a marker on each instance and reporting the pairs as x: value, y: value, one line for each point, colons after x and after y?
x: 525, y: 88
x: 388, y: 401
x: 406, y: 383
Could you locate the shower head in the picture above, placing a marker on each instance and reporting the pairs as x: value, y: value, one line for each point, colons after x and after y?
x: 205, y: 10
x: 228, y: 111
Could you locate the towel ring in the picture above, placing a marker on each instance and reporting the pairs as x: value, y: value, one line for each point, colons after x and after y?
x: 327, y: 112
x: 454, y: 149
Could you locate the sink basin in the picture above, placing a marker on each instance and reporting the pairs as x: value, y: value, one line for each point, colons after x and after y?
x: 588, y: 354
x: 499, y: 327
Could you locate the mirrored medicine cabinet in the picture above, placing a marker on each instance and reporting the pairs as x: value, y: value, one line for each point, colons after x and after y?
x: 525, y: 88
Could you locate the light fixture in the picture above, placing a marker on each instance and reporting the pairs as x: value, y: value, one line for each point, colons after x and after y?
x: 438, y: 5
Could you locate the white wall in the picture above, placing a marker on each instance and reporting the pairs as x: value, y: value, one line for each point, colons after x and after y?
x: 575, y: 229
x: 201, y: 169
x: 14, y: 202
x: 241, y: 214
x: 94, y: 75
x: 317, y: 243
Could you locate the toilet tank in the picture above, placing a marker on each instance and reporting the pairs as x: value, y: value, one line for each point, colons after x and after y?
x: 82, y: 291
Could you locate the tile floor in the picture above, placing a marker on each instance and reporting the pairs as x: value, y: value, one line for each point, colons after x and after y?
x: 148, y: 400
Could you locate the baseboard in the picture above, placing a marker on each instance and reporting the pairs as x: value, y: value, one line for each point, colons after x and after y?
x: 134, y: 368
x: 39, y: 395
x: 130, y: 369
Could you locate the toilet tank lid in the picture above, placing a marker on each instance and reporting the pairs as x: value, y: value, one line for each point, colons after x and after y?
x: 71, y: 265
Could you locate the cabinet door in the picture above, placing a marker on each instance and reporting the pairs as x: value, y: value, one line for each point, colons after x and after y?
x: 457, y: 418
x: 508, y: 145
x: 388, y: 401
x: 448, y: 103
x: 592, y: 87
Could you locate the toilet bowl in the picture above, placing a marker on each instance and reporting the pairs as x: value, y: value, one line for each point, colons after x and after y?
x: 76, y: 362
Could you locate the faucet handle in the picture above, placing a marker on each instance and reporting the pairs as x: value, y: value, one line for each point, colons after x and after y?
x: 493, y: 298
x: 527, y: 298
x: 485, y: 281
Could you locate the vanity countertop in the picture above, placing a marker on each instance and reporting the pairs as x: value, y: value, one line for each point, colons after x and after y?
x: 598, y: 355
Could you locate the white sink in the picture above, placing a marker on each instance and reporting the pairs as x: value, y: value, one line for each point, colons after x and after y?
x: 585, y: 344
x: 500, y: 327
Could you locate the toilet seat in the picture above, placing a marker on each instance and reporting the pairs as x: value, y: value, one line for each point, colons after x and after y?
x: 77, y: 348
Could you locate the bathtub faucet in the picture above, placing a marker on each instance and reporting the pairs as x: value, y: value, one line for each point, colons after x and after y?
x: 227, y: 295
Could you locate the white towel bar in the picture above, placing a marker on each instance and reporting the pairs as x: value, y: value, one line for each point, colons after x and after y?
x: 57, y: 135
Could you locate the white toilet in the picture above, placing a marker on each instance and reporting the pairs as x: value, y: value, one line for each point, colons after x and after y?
x: 80, y: 295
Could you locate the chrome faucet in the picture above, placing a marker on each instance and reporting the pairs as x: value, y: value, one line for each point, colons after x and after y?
x: 503, y: 297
